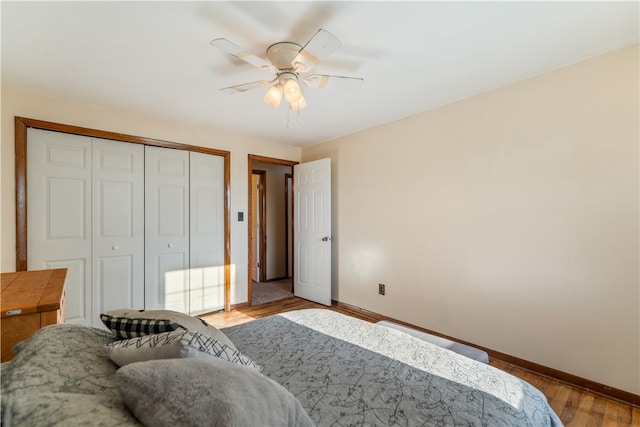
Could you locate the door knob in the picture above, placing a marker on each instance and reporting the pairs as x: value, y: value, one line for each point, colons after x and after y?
x: 326, y: 238
x: 170, y: 245
x: 115, y: 247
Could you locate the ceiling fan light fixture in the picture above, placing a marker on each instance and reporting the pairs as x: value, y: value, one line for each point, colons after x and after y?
x: 287, y: 61
x: 299, y: 104
x: 273, y: 97
x: 292, y: 91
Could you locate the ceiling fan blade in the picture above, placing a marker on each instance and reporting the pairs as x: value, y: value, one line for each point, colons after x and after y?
x: 242, y: 54
x: 246, y: 86
x: 339, y: 82
x: 321, y: 45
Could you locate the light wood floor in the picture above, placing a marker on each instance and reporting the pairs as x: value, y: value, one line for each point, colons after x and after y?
x: 575, y: 407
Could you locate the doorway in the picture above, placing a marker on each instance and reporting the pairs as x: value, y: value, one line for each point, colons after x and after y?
x: 270, y: 223
x: 258, y: 222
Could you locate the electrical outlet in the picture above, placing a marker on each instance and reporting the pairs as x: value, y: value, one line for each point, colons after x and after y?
x: 381, y: 288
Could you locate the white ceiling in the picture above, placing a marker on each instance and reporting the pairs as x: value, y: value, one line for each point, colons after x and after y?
x: 154, y: 58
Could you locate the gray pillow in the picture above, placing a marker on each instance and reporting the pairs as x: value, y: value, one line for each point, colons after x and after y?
x: 130, y: 323
x: 174, y: 345
x: 197, y: 392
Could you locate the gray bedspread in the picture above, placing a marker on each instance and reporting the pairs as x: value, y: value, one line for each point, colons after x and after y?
x: 349, y: 372
x: 343, y: 371
x: 61, y: 376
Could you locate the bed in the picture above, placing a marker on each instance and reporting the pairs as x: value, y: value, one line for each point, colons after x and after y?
x: 307, y: 367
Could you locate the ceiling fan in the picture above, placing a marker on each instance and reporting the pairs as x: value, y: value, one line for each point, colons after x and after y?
x: 290, y: 62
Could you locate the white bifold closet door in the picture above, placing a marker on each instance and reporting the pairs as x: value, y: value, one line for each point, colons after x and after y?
x: 206, y: 233
x: 166, y: 229
x: 136, y: 227
x: 118, y: 226
x: 85, y: 213
x: 184, y: 229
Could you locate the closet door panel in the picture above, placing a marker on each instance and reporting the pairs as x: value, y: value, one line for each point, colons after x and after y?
x: 173, y: 274
x: 59, y: 214
x: 170, y: 209
x: 166, y: 229
x: 206, y: 233
x: 113, y: 283
x: 118, y: 226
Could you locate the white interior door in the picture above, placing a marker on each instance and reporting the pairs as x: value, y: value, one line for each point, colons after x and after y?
x: 206, y: 235
x: 59, y: 214
x: 166, y: 229
x: 312, y: 236
x: 118, y: 226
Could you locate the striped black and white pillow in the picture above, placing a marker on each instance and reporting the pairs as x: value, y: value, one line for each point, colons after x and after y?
x: 130, y: 323
x: 127, y: 327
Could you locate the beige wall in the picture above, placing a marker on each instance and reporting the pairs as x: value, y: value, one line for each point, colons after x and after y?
x: 509, y: 219
x: 20, y: 103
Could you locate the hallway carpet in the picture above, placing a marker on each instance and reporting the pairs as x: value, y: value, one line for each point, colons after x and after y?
x: 264, y: 292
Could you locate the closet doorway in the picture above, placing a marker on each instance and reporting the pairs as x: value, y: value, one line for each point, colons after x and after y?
x: 91, y: 296
x: 270, y: 226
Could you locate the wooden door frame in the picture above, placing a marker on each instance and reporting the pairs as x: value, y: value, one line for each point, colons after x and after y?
x: 288, y: 191
x: 250, y: 159
x: 21, y: 125
x: 262, y: 234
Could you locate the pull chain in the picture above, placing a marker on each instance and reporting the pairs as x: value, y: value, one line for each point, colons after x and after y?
x: 291, y: 124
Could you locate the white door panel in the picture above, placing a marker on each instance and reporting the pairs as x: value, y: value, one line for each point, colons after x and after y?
x: 113, y: 283
x: 65, y: 199
x: 171, y: 208
x: 312, y: 220
x: 118, y: 226
x: 206, y: 233
x: 166, y: 229
x: 206, y: 284
x: 59, y: 214
x: 173, y: 281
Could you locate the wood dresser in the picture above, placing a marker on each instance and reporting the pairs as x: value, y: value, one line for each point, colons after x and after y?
x: 30, y: 300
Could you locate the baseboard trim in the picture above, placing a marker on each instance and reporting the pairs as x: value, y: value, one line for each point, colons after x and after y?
x: 573, y: 380
x: 276, y: 279
x: 238, y: 306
